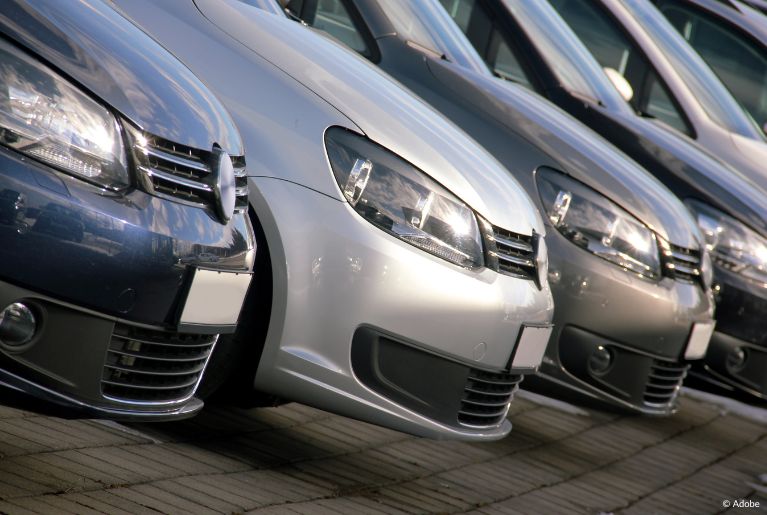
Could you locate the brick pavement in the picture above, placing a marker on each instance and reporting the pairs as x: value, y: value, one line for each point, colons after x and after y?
x: 294, y: 459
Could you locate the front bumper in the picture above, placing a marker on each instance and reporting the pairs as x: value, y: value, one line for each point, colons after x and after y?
x: 346, y: 276
x: 108, y: 277
x: 91, y: 365
x: 741, y: 331
x: 125, y: 255
x: 645, y: 326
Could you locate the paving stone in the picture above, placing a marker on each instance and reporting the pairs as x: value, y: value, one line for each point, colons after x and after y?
x: 120, y: 502
x: 15, y: 509
x: 179, y: 504
x: 355, y: 506
x: 197, y: 496
x: 197, y: 483
x: 295, y: 459
x: 89, y: 501
x: 54, y: 504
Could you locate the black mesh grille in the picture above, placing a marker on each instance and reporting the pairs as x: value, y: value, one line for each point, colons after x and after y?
x: 486, y: 398
x: 515, y: 253
x: 682, y: 264
x: 154, y: 366
x: 664, y: 382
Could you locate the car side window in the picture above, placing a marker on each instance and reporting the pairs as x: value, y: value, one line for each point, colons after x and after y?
x: 660, y: 105
x: 333, y: 18
x: 479, y: 26
x: 613, y: 49
x: 738, y: 61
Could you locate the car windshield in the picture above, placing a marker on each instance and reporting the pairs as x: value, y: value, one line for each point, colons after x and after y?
x: 573, y: 64
x: 708, y: 90
x: 427, y: 24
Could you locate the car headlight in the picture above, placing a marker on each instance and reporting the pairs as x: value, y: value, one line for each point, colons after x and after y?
x: 596, y: 224
x: 46, y: 118
x: 732, y: 245
x: 396, y: 197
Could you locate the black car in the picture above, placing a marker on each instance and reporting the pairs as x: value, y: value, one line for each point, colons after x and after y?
x: 125, y: 244
x: 535, y: 47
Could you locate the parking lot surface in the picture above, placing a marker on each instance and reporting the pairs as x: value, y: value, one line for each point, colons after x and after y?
x: 559, y: 459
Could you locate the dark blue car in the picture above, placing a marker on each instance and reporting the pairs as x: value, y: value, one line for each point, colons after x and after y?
x: 125, y: 246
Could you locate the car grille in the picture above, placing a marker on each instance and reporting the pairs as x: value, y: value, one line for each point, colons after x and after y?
x: 515, y: 254
x: 664, y: 381
x: 184, y: 174
x: 682, y: 264
x: 486, y: 398
x: 145, y: 366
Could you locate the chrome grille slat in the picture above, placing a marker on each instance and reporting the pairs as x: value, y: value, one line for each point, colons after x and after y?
x: 181, y: 181
x: 518, y: 245
x: 516, y: 260
x: 134, y: 370
x: 681, y: 264
x: 486, y: 398
x: 664, y: 382
x: 126, y: 384
x: 154, y: 367
x: 184, y: 174
x: 515, y: 254
x: 150, y: 342
x: 178, y: 161
x: 473, y: 390
x: 156, y: 358
x: 488, y: 414
x: 679, y: 256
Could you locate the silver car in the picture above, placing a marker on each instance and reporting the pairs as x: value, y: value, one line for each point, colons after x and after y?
x: 408, y: 270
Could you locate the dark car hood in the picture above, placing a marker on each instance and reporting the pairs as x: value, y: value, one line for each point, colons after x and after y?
x: 114, y: 60
x: 575, y: 149
x: 711, y: 180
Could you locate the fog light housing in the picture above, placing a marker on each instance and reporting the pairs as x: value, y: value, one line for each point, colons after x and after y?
x: 601, y: 360
x: 17, y: 325
x: 737, y: 358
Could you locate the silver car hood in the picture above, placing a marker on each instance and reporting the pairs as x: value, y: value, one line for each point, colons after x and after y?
x: 383, y: 110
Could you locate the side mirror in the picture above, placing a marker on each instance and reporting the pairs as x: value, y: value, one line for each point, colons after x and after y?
x: 620, y: 83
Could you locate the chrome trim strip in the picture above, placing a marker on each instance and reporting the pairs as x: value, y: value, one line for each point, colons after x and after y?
x: 176, y: 160
x: 187, y: 183
x: 518, y: 245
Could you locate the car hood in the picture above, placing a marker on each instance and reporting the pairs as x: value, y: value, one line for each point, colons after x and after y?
x: 715, y: 182
x: 116, y: 62
x: 749, y: 156
x: 578, y: 151
x: 383, y: 110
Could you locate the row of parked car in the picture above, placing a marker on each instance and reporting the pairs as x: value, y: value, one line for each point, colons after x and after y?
x: 390, y: 209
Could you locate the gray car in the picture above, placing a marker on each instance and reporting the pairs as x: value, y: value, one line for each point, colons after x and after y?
x: 535, y: 47
x: 408, y: 270
x: 627, y: 263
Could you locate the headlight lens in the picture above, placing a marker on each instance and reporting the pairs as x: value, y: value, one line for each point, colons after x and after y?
x: 396, y: 197
x: 48, y: 119
x: 596, y: 224
x: 732, y: 245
